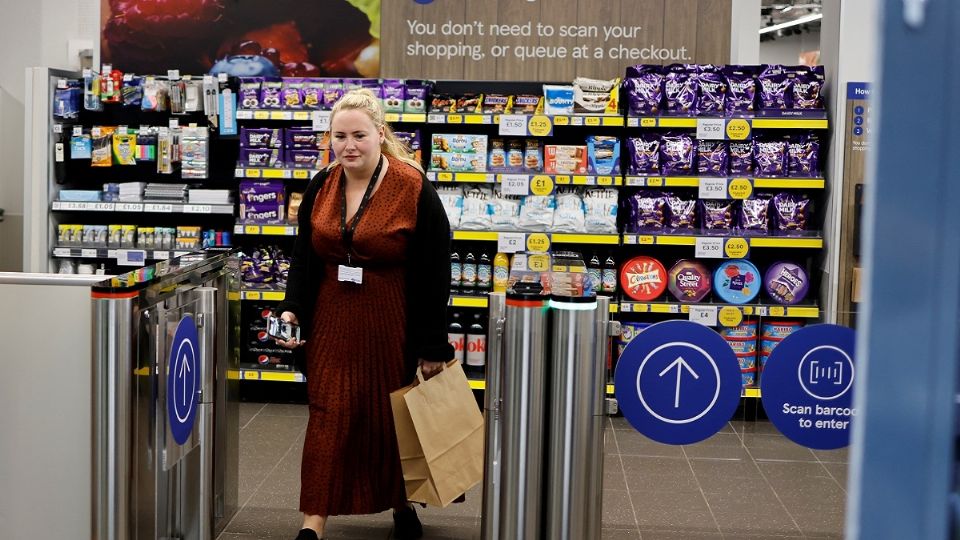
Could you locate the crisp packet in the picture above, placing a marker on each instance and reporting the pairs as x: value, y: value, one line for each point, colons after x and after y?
x: 593, y: 96
x: 712, y: 91
x: 644, y: 86
x: 676, y: 154
x: 536, y: 213
x: 476, y: 209
x: 504, y: 211
x: 600, y: 206
x: 332, y: 92
x: 570, y: 213
x: 680, y: 88
x: 770, y: 157
x: 644, y: 154
x: 711, y: 157
x: 452, y: 199
x: 558, y: 99
x: 741, y: 89
x: 790, y: 212
x: 803, y: 157
x: 774, y: 87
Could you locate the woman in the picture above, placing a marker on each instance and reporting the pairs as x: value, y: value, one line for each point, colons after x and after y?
x: 369, y: 283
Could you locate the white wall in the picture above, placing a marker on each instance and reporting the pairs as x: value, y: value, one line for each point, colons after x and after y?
x: 31, y: 34
x: 786, y: 50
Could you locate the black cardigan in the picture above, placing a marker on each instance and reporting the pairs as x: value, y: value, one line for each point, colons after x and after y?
x: 427, y: 277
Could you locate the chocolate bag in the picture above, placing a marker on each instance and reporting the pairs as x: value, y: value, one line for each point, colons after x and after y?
x: 440, y: 436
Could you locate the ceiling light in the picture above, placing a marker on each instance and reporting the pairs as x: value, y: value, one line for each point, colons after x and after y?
x: 795, y: 22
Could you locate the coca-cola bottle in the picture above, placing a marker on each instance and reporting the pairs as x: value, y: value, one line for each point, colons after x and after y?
x: 476, y: 348
x: 456, y: 337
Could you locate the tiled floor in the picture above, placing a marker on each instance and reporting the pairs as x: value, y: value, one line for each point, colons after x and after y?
x: 746, y: 482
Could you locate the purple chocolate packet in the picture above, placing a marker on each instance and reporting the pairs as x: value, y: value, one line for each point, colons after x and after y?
x: 291, y: 96
x: 249, y: 97
x: 680, y: 89
x: 332, y: 92
x: 790, y: 212
x: 676, y: 154
x: 312, y: 95
x: 805, y: 88
x: 644, y: 154
x: 644, y: 86
x: 683, y: 213
x: 803, y: 157
x: 415, y: 96
x: 718, y: 214
x: 712, y: 157
x: 261, y: 157
x: 741, y: 89
x: 270, y: 97
x: 303, y: 159
x: 770, y: 157
x: 261, y: 137
x: 712, y: 88
x: 740, y: 157
x: 754, y: 214
x: 647, y: 211
x: 774, y: 84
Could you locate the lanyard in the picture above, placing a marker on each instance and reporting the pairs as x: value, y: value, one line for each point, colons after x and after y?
x: 346, y: 232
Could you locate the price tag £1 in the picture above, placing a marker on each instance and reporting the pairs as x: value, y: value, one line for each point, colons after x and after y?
x: 320, y: 120
x: 705, y: 315
x: 709, y: 248
x: 513, y: 125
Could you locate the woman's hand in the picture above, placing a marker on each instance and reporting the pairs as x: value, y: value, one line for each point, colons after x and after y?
x: 430, y: 369
x: 289, y: 317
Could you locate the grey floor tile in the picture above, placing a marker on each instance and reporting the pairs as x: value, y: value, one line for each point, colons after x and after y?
x: 744, y: 535
x: 788, y: 474
x: 840, y: 455
x: 720, y: 446
x: 617, y: 510
x: 613, y: 477
x: 620, y: 534
x: 621, y: 423
x: 776, y: 448
x: 732, y: 469
x: 653, y: 474
x: 452, y: 528
x: 338, y: 529
x: 266, y: 521
x: 248, y: 411
x: 286, y: 409
x: 468, y: 509
x: 635, y: 444
x: 839, y: 472
x: 241, y: 536
x: 756, y: 516
x: 673, y: 512
x: 685, y: 534
x: 758, y: 427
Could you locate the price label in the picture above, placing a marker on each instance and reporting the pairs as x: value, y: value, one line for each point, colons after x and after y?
x: 197, y: 209
x: 61, y: 83
x: 736, y: 248
x: 131, y: 257
x: 510, y: 242
x: 561, y: 120
x: 705, y: 315
x: 541, y: 185
x: 648, y: 122
x: 729, y: 316
x: 711, y: 128
x: 391, y: 117
x: 173, y: 74
x: 455, y: 119
x: 604, y: 180
x: 538, y: 263
x: 301, y: 174
x: 161, y: 255
x: 540, y: 126
x: 88, y: 253
x: 253, y: 173
x: 103, y: 207
x: 738, y: 129
x: 320, y: 120
x: 592, y: 121
x: 301, y: 115
x: 61, y: 252
x: 129, y: 207
x: 709, y: 248
x: 655, y: 181
x: 222, y: 77
x: 777, y: 311
x: 515, y: 184
x: 160, y: 208
x: 77, y: 131
x: 713, y: 188
x: 436, y: 119
x: 513, y: 124
x: 740, y: 188
x: 58, y: 128
x: 261, y: 115
x: 174, y: 123
x: 538, y: 242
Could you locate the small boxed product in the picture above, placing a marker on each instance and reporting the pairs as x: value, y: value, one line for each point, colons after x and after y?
x: 261, y: 157
x: 558, y: 99
x: 261, y: 213
x: 496, y: 103
x: 411, y: 139
x: 497, y: 160
x: 261, y: 192
x: 603, y: 154
x: 514, y: 155
x: 146, y: 238
x: 262, y: 137
x: 80, y: 195
x: 460, y: 143
x: 565, y: 159
x: 307, y: 159
x: 532, y: 156
x: 455, y: 162
x: 302, y: 138
x: 128, y: 236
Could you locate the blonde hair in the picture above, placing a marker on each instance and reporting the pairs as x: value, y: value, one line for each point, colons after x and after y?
x: 363, y: 100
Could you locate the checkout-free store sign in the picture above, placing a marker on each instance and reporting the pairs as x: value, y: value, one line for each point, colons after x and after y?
x: 678, y: 382
x: 807, y: 386
x: 183, y: 380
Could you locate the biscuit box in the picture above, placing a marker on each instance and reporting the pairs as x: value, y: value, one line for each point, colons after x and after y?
x: 455, y: 162
x: 565, y: 159
x: 459, y: 144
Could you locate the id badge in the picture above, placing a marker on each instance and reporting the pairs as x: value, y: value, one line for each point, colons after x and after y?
x: 351, y: 274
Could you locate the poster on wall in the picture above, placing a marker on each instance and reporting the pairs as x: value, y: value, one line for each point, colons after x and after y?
x: 289, y: 38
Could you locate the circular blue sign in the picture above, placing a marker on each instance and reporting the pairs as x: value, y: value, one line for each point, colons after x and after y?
x: 183, y: 380
x: 858, y: 131
x: 678, y: 382
x: 807, y: 386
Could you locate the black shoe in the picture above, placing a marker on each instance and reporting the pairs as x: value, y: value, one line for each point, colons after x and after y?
x: 406, y: 525
x: 308, y: 534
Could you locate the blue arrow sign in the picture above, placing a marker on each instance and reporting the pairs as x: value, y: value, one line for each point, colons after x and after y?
x: 183, y: 380
x: 678, y: 382
x: 807, y: 386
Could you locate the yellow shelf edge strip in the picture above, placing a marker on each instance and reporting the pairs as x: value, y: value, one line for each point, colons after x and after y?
x: 796, y: 183
x: 474, y: 235
x: 789, y: 123
x: 676, y: 240
x: 786, y: 242
x: 586, y: 238
x: 478, y: 385
x: 461, y: 301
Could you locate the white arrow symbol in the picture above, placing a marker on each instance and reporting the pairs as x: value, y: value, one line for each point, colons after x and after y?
x: 681, y: 364
x: 185, y: 368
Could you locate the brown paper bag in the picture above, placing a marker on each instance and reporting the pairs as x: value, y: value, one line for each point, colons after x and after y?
x: 440, y: 435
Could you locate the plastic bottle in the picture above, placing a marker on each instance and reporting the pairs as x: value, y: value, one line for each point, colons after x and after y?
x: 484, y: 273
x: 456, y: 271
x: 609, y: 278
x: 595, y: 272
x: 501, y: 272
x: 476, y: 347
x: 469, y: 279
x: 456, y: 337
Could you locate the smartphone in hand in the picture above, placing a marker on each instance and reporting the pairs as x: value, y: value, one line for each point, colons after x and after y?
x: 282, y: 330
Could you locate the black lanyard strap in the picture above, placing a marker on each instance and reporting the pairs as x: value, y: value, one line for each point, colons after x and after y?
x: 346, y: 232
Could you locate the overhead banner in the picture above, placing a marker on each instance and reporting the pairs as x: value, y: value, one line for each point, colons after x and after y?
x: 548, y: 40
x: 532, y: 40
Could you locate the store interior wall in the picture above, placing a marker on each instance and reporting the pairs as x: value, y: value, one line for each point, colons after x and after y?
x: 786, y: 50
x: 744, y: 40
x: 38, y: 33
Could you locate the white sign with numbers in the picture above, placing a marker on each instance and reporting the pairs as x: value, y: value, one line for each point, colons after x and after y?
x: 709, y: 248
x: 511, y: 242
x: 513, y: 125
x: 515, y: 184
x: 713, y: 188
x: 710, y: 128
x: 705, y: 315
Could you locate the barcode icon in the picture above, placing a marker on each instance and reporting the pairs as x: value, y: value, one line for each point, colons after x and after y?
x: 826, y: 373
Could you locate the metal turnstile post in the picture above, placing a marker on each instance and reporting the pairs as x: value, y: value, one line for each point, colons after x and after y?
x: 522, y: 414
x: 492, y: 398
x: 576, y: 419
